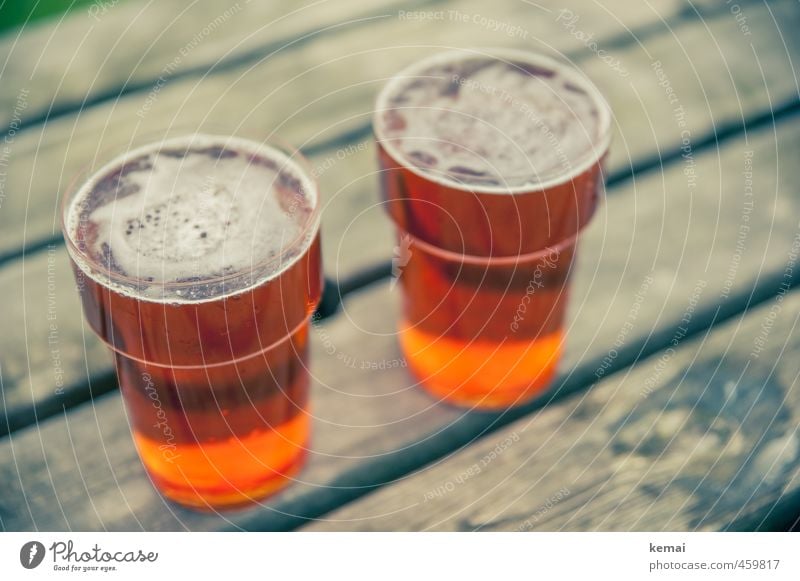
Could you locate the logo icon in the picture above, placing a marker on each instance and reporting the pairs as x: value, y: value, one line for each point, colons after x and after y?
x: 31, y: 554
x: 402, y: 254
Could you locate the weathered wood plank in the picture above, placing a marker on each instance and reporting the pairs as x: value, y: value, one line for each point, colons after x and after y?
x: 356, y: 231
x: 111, y: 47
x: 49, y: 356
x: 703, y: 437
x: 326, y: 90
x: 357, y: 234
x: 715, y: 92
x: 655, y: 237
x: 308, y: 95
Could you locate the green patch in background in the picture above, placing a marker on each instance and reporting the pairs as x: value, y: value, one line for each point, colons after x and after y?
x: 14, y: 13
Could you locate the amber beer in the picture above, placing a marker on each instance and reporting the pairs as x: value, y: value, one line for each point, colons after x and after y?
x: 491, y: 166
x: 198, y: 263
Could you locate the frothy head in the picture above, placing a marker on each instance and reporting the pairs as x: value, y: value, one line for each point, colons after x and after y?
x: 192, y: 218
x: 497, y: 121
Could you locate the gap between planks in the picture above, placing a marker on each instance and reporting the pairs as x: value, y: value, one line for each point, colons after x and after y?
x: 352, y: 135
x: 267, y: 49
x: 361, y: 278
x: 408, y: 442
x: 335, y: 292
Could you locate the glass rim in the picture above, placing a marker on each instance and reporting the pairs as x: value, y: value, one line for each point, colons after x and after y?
x: 103, y: 162
x: 555, y: 177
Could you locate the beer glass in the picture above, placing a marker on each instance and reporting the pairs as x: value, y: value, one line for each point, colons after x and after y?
x: 491, y: 165
x: 197, y: 259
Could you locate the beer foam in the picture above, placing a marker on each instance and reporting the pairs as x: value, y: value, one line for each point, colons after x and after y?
x: 499, y: 121
x: 192, y: 218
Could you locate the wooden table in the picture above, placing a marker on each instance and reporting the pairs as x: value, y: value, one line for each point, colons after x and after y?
x: 677, y: 405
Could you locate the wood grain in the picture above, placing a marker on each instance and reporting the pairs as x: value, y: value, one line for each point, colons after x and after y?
x: 371, y: 423
x: 701, y: 437
x: 316, y: 94
x: 108, y: 48
x: 730, y: 83
x: 356, y: 231
x: 51, y: 358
